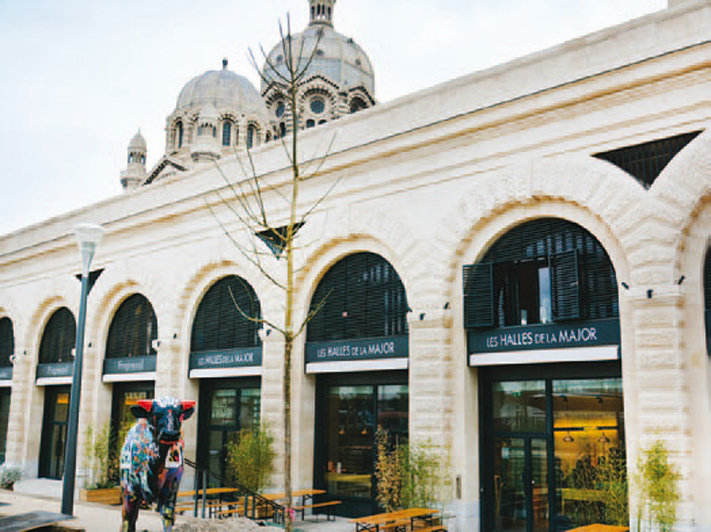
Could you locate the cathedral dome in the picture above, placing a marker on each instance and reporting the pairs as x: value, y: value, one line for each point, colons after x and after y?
x: 223, y: 89
x: 338, y: 59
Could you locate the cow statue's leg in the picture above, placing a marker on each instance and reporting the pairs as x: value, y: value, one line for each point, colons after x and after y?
x: 166, y: 500
x: 129, y: 510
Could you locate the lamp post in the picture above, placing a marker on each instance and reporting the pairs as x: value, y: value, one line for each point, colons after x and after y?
x: 88, y: 236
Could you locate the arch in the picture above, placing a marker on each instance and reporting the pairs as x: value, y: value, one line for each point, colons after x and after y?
x: 59, y: 338
x: 133, y: 329
x: 252, y: 135
x: 222, y: 320
x: 360, y: 296
x: 179, y: 134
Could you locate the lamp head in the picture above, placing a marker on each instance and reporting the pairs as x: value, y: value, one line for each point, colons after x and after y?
x: 88, y: 237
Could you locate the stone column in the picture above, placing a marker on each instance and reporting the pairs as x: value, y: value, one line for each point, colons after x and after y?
x: 655, y: 384
x: 272, y: 404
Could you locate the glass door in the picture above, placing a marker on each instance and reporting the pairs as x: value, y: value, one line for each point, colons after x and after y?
x: 54, y: 432
x: 552, y: 449
x: 521, y: 485
x: 232, y: 406
x: 350, y: 411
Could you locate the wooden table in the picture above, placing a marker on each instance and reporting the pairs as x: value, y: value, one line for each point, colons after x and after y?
x: 394, y: 520
x: 600, y: 528
x: 213, y: 506
x: 307, y: 497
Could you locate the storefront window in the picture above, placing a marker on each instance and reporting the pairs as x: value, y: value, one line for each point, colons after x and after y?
x: 54, y: 432
x: 553, y: 450
x: 589, y: 447
x: 352, y: 415
x: 233, y: 408
x: 4, y: 420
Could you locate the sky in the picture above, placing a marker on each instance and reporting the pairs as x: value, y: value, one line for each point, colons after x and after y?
x: 78, y: 78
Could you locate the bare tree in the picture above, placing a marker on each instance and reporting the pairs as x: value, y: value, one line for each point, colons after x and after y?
x: 252, y: 202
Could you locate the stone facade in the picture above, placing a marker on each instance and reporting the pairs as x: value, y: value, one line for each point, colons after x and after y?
x: 429, y: 182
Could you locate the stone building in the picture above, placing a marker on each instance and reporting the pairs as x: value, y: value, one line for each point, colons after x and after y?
x: 516, y: 261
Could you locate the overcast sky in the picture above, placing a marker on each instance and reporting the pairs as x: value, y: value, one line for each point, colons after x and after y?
x: 79, y: 77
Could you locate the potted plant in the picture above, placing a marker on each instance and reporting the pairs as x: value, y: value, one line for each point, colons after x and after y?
x: 658, y: 491
x: 102, y: 459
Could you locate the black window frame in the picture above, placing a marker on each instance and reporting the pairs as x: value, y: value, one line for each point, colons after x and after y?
x: 7, y: 342
x: 128, y: 331
x: 219, y: 324
x: 583, y: 284
x: 360, y: 296
x: 59, y: 338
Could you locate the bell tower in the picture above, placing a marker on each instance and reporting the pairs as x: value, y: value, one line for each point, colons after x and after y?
x: 322, y: 11
x: 135, y: 173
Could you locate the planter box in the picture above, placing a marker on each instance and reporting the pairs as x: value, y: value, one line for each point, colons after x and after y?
x: 102, y: 496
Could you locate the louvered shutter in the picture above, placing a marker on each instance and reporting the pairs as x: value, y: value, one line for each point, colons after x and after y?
x: 479, y: 295
x: 227, y: 317
x: 59, y: 338
x: 707, y: 299
x: 133, y: 329
x: 565, y: 289
x: 361, y: 296
x: 7, y: 342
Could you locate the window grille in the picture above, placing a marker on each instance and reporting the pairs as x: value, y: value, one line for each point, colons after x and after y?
x: 133, y: 329
x: 59, y: 338
x: 583, y: 281
x: 223, y: 319
x: 7, y: 342
x: 362, y: 296
x: 646, y: 161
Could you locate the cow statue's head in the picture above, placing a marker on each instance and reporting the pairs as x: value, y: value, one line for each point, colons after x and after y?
x: 165, y: 415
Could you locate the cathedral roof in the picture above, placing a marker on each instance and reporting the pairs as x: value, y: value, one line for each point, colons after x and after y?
x: 225, y: 90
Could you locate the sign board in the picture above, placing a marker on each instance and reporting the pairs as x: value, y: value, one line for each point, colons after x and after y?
x: 227, y: 358
x: 122, y: 365
x: 365, y: 349
x: 59, y: 369
x: 545, y: 336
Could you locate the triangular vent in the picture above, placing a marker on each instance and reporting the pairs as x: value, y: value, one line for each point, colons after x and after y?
x: 646, y: 161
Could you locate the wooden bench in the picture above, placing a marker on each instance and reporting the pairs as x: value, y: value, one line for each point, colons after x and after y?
x: 435, y: 528
x: 329, y: 505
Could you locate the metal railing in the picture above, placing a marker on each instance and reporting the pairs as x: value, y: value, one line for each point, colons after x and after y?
x: 256, y: 507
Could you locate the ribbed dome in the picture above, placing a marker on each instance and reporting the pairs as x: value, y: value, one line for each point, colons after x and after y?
x: 338, y: 58
x: 222, y: 89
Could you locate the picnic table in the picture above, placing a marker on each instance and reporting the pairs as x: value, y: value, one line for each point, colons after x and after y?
x: 403, y: 520
x: 307, y: 501
x: 214, y: 503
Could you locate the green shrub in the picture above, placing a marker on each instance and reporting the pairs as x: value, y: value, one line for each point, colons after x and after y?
x: 408, y: 476
x: 8, y: 476
x: 250, y: 460
x: 658, y: 489
x: 99, y: 457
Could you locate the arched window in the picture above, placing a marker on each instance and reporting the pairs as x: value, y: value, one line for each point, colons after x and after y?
x: 362, y: 296
x: 7, y: 342
x: 59, y: 338
x: 179, y: 134
x: 251, y: 136
x: 226, y: 132
x: 282, y: 129
x: 544, y: 271
x: 357, y: 104
x: 707, y: 299
x: 222, y: 321
x: 310, y: 123
x: 133, y: 329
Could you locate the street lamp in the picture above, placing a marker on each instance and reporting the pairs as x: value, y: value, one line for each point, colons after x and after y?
x: 88, y: 236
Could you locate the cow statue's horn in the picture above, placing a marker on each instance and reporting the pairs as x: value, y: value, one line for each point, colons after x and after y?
x: 187, y: 404
x: 146, y: 404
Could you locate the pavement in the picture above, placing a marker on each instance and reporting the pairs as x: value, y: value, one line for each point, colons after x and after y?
x: 41, y: 494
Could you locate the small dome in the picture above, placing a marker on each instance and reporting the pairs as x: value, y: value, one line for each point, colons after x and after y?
x: 338, y: 58
x: 224, y: 90
x: 137, y: 142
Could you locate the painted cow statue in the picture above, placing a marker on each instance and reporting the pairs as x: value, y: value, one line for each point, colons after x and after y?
x: 152, y: 459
